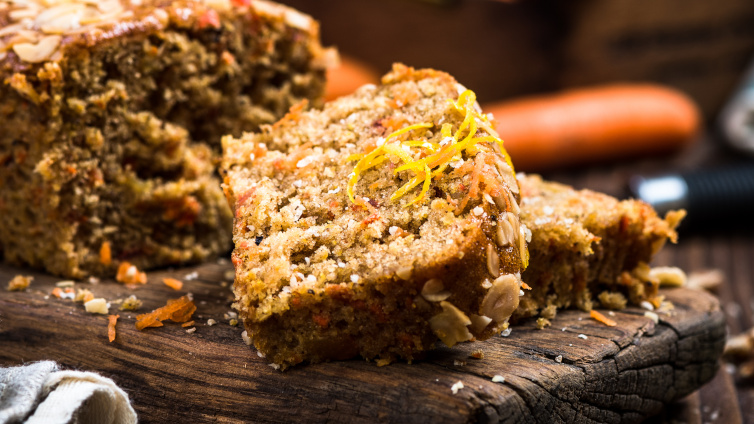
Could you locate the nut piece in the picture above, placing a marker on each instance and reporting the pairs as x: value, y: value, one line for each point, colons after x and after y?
x: 493, y: 261
x: 434, y: 291
x: 35, y: 53
x: 479, y: 323
x: 506, y: 234
x: 502, y: 298
x: 450, y: 325
x: 668, y: 276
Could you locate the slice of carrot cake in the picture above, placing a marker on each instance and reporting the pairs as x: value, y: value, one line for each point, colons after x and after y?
x: 376, y: 226
x: 112, y: 113
x: 588, y: 247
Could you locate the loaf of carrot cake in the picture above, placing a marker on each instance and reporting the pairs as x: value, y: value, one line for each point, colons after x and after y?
x: 112, y: 113
x: 375, y: 226
x: 588, y: 248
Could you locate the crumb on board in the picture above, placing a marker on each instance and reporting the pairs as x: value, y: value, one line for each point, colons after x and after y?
x: 97, y: 306
x: 129, y: 274
x: 456, y: 387
x: 211, y: 322
x: 65, y: 283
x: 191, y: 330
x: 383, y: 362
x: 188, y: 323
x: 111, y: 321
x: 83, y: 295
x: 477, y: 354
x: 596, y: 315
x: 559, y: 359
x: 612, y: 300
x: 582, y: 336
x: 130, y: 304
x: 173, y: 283
x: 497, y: 378
x: 543, y: 323
x: 246, y: 338
x: 177, y: 310
x: 459, y: 363
x: 653, y: 316
x: 20, y: 282
x: 233, y: 322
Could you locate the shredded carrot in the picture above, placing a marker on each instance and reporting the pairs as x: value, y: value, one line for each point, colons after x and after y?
x: 105, y: 254
x: 129, y: 274
x: 525, y: 286
x: 176, y: 310
x: 293, y: 115
x: 188, y: 324
x: 173, y: 283
x: 57, y: 292
x: 603, y: 319
x: 112, y: 319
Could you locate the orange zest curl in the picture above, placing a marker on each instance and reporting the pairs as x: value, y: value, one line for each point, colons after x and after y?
x: 432, y: 159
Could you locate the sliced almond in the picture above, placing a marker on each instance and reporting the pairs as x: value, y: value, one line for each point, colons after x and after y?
x: 450, y: 325
x: 35, y: 53
x: 502, y: 299
x: 505, y: 233
x: 668, y: 276
x: 404, y: 272
x: 479, y: 323
x: 493, y: 261
x: 434, y: 291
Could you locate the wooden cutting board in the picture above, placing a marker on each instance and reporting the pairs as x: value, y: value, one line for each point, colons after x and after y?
x: 606, y: 374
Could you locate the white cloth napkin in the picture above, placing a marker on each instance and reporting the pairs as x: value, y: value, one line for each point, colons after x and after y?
x: 42, y: 393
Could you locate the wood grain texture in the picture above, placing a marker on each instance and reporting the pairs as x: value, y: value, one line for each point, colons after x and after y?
x: 615, y: 375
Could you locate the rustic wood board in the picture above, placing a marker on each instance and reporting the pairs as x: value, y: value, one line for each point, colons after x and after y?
x: 615, y: 374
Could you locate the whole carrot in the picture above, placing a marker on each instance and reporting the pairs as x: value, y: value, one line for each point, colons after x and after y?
x: 594, y: 124
x: 347, y: 76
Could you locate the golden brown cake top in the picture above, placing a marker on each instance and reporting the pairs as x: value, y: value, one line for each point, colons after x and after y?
x: 35, y: 31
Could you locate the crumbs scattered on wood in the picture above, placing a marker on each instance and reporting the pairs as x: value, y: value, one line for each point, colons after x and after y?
x: 456, y: 387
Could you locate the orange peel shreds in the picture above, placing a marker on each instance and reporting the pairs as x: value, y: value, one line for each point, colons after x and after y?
x: 111, y: 320
x: 188, y: 323
x: 129, y: 274
x: 433, y: 159
x: 176, y: 310
x: 19, y: 282
x: 173, y: 283
x: 57, y: 292
x: 601, y: 318
x: 105, y: 254
x: 525, y: 286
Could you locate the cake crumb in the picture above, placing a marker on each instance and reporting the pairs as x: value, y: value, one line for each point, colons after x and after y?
x: 559, y: 359
x: 246, y: 338
x: 459, y: 363
x: 543, y: 323
x: 653, y: 316
x: 497, y: 378
x: 477, y: 354
x: 20, y: 282
x: 456, y: 387
x: 130, y: 304
x: 211, y: 322
x: 65, y: 283
x: 233, y: 322
x: 97, y: 306
x: 191, y: 330
x: 582, y: 336
x: 83, y: 295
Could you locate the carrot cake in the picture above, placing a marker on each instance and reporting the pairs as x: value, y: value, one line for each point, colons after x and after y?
x: 112, y: 113
x: 588, y: 248
x: 375, y: 226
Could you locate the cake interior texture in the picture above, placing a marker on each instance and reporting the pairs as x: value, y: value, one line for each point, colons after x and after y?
x: 112, y: 114
x: 375, y: 226
x: 588, y: 249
